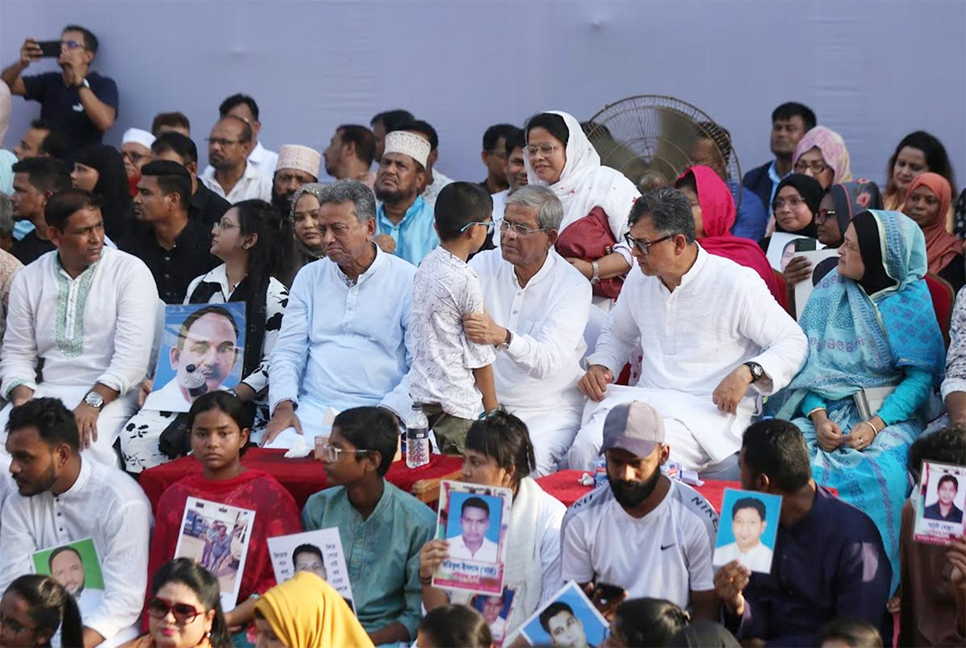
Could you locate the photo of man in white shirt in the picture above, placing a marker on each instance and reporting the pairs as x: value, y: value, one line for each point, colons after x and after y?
x: 748, y: 524
x: 67, y: 568
x: 472, y: 543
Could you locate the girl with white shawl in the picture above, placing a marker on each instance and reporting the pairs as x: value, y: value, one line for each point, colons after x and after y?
x: 499, y: 453
x: 559, y: 156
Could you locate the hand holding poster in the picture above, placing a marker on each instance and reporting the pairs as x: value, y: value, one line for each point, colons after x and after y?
x: 319, y: 552
x: 216, y: 536
x: 940, y: 504
x: 76, y: 567
x: 473, y: 521
x: 783, y: 247
x: 569, y: 620
x: 202, y: 350
x: 750, y: 538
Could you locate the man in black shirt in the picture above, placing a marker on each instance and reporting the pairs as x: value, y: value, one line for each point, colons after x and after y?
x: 35, y: 180
x: 81, y: 103
x: 206, y: 206
x: 174, y: 247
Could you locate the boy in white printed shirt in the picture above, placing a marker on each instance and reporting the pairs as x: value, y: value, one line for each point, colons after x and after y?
x: 451, y: 376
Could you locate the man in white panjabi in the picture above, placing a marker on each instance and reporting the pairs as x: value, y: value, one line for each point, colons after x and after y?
x: 714, y: 342
x: 87, y: 313
x: 537, y: 307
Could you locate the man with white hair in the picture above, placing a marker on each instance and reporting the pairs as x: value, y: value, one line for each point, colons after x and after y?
x: 136, y: 151
x: 405, y: 225
x: 297, y: 165
x: 537, y: 306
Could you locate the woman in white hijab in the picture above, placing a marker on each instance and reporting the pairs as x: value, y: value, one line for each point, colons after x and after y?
x: 596, y: 199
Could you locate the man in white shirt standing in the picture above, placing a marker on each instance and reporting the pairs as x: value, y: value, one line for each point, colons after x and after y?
x: 472, y: 543
x: 714, y: 342
x: 244, y: 107
x: 345, y: 337
x: 537, y: 306
x: 63, y: 497
x: 87, y: 313
x: 230, y: 174
x: 644, y: 533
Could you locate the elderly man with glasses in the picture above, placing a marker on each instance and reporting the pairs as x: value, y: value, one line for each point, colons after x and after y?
x: 230, y: 174
x: 537, y: 307
x: 80, y: 103
x: 714, y: 342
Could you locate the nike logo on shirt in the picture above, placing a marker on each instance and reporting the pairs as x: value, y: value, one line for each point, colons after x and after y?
x: 78, y: 107
x: 663, y: 547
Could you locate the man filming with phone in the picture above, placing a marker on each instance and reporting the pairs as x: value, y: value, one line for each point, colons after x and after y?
x: 81, y: 103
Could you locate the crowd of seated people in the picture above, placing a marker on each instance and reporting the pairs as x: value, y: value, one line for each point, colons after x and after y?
x: 550, y: 317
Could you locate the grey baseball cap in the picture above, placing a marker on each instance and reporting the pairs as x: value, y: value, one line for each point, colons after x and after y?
x: 636, y: 427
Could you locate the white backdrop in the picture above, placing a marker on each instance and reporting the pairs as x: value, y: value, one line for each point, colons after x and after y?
x: 872, y: 70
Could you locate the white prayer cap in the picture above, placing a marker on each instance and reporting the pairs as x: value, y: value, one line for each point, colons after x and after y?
x: 409, y: 144
x: 138, y: 136
x: 300, y: 158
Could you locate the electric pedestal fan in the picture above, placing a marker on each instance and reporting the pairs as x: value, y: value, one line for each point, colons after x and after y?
x: 651, y: 139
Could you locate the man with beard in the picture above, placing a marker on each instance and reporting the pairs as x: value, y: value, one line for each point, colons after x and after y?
x: 649, y: 535
x: 63, y: 497
x: 175, y: 248
x: 405, y: 224
x: 67, y: 568
x: 297, y: 165
x: 229, y: 173
x: 87, y: 313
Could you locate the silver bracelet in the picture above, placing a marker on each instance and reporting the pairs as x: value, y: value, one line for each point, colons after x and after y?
x: 595, y: 279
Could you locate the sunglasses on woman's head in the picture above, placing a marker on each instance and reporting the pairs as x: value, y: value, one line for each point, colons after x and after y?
x: 183, y: 613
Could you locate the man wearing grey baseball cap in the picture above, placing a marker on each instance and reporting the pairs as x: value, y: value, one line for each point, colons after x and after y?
x: 643, y: 533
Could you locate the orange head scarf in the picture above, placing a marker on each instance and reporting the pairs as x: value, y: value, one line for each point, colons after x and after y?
x: 306, y: 612
x: 941, y: 246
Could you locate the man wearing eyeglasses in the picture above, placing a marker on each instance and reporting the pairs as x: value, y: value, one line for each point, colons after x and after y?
x: 81, y: 103
x: 714, y: 342
x: 230, y: 174
x: 537, y: 307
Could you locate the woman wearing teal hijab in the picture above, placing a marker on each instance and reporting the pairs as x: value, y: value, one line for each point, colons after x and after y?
x: 870, y: 323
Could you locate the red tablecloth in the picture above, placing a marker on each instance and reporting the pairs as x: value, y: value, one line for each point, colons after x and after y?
x: 301, y: 477
x: 564, y: 486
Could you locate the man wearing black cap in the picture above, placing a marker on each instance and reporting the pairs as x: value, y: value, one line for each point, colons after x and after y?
x: 646, y: 534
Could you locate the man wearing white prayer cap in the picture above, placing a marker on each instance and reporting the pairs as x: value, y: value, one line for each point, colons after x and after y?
x: 136, y: 151
x: 297, y: 165
x: 404, y: 221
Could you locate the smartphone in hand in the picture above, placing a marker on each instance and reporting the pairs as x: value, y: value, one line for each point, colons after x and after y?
x: 50, y: 49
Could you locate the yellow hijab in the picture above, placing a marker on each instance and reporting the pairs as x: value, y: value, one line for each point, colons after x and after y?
x: 306, y: 612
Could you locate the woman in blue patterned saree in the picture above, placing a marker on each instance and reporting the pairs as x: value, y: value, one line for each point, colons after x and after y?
x: 870, y: 324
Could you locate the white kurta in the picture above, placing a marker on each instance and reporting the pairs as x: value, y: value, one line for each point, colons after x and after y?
x: 536, y: 377
x: 722, y: 315
x: 103, y: 504
x: 253, y: 184
x: 96, y: 328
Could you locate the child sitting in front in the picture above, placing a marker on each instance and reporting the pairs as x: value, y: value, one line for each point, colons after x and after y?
x: 451, y: 376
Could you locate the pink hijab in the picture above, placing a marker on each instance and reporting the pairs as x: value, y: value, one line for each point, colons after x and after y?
x: 833, y: 150
x: 718, y: 217
x: 941, y: 246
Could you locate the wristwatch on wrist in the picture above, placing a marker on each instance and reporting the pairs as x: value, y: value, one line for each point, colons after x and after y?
x: 94, y: 399
x: 503, y: 346
x: 84, y: 82
x: 756, y: 371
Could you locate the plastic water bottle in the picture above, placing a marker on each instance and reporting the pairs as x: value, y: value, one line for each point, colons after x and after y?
x: 417, y: 437
x: 600, y: 473
x: 194, y: 382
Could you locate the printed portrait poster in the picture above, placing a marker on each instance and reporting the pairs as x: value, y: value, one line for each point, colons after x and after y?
x: 202, y: 350
x: 75, y: 566
x: 747, y: 529
x: 782, y: 248
x: 216, y: 536
x: 473, y: 520
x: 496, y: 609
x: 570, y: 619
x: 940, y: 503
x: 823, y: 262
x: 319, y: 552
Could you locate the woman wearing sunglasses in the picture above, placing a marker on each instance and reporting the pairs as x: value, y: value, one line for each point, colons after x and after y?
x: 219, y: 425
x: 184, y: 609
x: 499, y: 453
x: 33, y: 609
